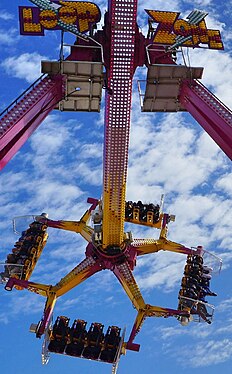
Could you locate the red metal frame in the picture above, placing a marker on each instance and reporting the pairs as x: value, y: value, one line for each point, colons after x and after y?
x: 22, y: 120
x: 209, y: 112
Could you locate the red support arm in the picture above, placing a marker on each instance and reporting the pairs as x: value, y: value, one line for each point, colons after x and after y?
x: 209, y: 112
x: 21, y: 121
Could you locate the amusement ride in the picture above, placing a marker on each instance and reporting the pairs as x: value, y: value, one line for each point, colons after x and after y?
x: 107, y: 59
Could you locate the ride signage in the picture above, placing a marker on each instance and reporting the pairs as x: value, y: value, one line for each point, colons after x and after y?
x: 83, y: 14
x: 170, y: 27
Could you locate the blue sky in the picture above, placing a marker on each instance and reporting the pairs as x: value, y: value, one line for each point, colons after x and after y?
x: 61, y: 166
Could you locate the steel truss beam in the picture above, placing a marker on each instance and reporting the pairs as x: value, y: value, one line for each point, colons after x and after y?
x: 17, y: 125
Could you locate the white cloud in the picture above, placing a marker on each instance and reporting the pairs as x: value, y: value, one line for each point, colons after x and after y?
x: 225, y: 183
x: 64, y: 192
x: 159, y: 5
x: 225, y: 305
x: 8, y: 38
x: 91, y: 151
x: 213, y: 78
x: 161, y: 270
x: 202, y: 3
x: 6, y: 16
x: 158, y: 161
x: 4, y: 318
x: 23, y: 304
x: 25, y: 66
x: 194, y: 331
x: 206, y: 353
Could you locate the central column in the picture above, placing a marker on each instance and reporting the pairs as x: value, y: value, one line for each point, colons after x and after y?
x: 122, y: 14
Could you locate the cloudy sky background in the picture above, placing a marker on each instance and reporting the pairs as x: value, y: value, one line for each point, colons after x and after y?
x: 61, y: 166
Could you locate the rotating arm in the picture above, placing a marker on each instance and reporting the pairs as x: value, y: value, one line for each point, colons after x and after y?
x: 151, y: 311
x: 79, y: 274
x: 128, y: 282
x: 80, y: 227
x: 40, y: 289
x: 147, y: 246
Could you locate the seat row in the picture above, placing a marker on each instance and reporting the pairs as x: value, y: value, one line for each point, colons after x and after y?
x: 195, y: 283
x: 77, y: 341
x: 145, y: 213
x: 26, y: 252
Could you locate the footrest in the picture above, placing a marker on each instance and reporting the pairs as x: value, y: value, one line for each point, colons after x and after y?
x: 7, y: 268
x: 199, y: 310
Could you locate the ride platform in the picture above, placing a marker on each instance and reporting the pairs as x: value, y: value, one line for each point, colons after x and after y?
x: 160, y: 92
x: 84, y: 83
